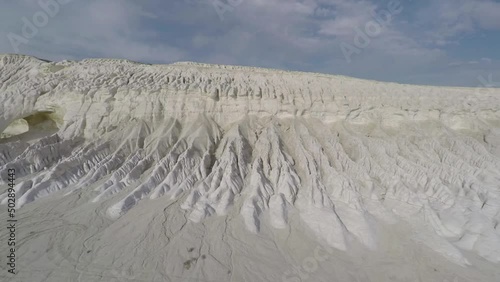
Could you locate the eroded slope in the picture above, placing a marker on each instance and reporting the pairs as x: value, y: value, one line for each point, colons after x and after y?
x: 336, y: 160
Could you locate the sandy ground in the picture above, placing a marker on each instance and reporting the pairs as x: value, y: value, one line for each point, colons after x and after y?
x: 65, y: 239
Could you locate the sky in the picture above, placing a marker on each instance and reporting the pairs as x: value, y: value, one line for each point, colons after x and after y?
x: 439, y: 42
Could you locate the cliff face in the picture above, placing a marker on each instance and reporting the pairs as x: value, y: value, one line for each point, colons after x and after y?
x: 118, y: 91
x: 335, y: 155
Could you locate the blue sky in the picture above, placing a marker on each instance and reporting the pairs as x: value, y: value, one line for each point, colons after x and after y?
x: 441, y: 42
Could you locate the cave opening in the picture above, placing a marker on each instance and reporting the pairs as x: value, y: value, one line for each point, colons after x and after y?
x: 31, y: 127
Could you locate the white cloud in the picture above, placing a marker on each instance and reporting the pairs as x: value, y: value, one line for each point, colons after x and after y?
x: 448, y: 19
x: 289, y: 34
x: 110, y: 28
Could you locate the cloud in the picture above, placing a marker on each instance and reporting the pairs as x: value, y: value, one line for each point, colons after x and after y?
x: 446, y: 20
x: 111, y: 28
x: 287, y: 34
x: 345, y: 16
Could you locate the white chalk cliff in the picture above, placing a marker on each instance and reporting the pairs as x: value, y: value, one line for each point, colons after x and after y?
x: 194, y: 172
